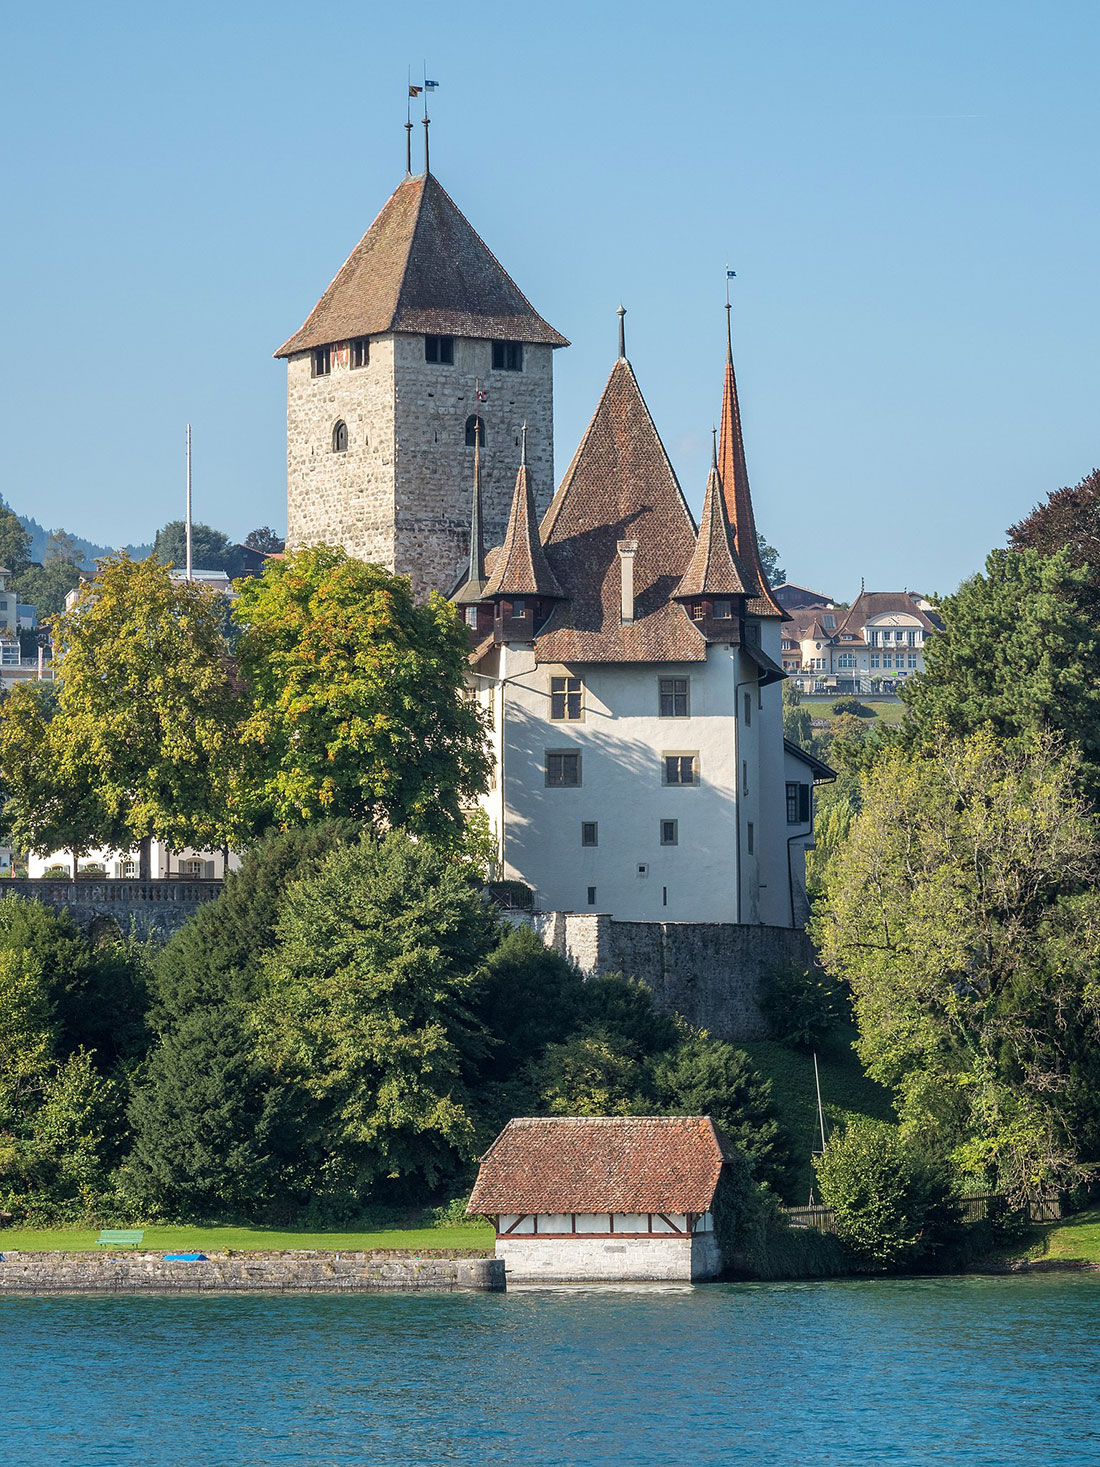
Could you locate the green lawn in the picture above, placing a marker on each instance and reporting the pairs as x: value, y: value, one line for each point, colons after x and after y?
x: 845, y: 1091
x: 200, y: 1239
x: 1077, y: 1237
x: 886, y: 710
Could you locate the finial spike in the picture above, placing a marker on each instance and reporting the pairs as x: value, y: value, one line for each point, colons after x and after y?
x: 523, y: 446
x: 621, y: 313
x: 714, y: 448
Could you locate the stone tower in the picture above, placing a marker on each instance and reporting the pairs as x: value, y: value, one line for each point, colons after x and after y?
x: 421, y: 334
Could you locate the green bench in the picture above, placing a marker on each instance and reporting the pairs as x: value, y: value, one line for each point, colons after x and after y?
x: 120, y: 1237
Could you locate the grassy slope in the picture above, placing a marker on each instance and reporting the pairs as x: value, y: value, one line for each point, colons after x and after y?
x: 1078, y: 1237
x: 202, y: 1239
x: 845, y: 1091
x: 886, y: 710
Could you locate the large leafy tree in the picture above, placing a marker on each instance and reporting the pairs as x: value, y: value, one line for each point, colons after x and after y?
x: 1069, y: 520
x: 144, y: 738
x: 266, y: 540
x: 15, y: 542
x: 1019, y: 653
x: 962, y: 911
x: 210, y: 549
x: 366, y: 1018
x: 358, y: 701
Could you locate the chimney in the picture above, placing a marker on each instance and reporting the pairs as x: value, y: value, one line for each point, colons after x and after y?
x: 627, y: 549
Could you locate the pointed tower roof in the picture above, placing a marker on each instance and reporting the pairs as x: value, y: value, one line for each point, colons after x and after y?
x: 472, y: 589
x: 422, y: 267
x: 713, y: 569
x: 521, y: 567
x: 734, y: 474
x: 619, y: 486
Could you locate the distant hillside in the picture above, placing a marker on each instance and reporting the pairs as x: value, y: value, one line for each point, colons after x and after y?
x: 87, y: 548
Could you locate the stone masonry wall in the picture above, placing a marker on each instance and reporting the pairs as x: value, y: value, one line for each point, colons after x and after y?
x: 710, y: 972
x: 152, y: 908
x: 310, y: 1272
x: 569, y: 1259
x: 400, y: 493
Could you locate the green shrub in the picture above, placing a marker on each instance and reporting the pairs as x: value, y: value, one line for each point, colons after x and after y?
x: 757, y: 1240
x: 892, y: 1199
x: 853, y: 705
x: 803, y: 1005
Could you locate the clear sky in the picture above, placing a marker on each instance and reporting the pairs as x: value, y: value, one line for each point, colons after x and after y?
x: 907, y: 192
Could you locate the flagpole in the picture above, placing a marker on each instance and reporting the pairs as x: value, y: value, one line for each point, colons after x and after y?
x: 427, y: 120
x: 187, y: 527
x: 409, y: 126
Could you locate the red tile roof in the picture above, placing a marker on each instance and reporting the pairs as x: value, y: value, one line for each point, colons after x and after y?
x: 713, y: 569
x: 887, y: 603
x: 521, y: 568
x: 619, y: 486
x: 734, y: 473
x: 602, y: 1164
x: 422, y: 267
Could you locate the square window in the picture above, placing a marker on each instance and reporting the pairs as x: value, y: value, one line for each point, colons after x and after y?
x: 440, y: 349
x: 751, y: 837
x: 673, y: 699
x: 590, y: 833
x: 507, y: 356
x: 360, y: 351
x: 670, y: 833
x: 321, y: 362
x: 563, y: 768
x: 565, y: 698
x: 912, y: 659
x: 642, y: 868
x: 680, y: 769
x: 887, y: 659
x: 591, y: 896
x: 722, y: 611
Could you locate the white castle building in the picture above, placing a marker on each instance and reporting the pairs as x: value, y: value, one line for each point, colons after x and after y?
x: 630, y: 660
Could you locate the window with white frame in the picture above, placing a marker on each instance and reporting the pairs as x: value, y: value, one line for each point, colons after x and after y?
x: 566, y: 699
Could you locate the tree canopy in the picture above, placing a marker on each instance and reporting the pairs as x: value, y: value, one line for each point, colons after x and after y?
x: 210, y: 549
x: 358, y: 696
x: 1069, y: 520
x: 15, y: 542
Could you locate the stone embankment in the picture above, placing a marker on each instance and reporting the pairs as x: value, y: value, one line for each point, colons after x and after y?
x: 285, y: 1272
x: 152, y: 908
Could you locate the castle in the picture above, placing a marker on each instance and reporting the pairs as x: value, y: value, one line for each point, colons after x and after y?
x: 630, y: 660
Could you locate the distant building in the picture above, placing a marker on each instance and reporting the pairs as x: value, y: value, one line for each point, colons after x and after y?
x: 799, y: 598
x: 874, y: 645
x: 604, y: 1197
x: 164, y: 862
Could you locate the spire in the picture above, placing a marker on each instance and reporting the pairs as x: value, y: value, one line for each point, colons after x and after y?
x: 474, y: 588
x: 734, y: 475
x: 713, y: 569
x: 521, y: 567
x: 621, y: 313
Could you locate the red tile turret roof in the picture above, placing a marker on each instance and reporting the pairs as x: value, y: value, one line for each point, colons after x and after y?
x: 521, y: 567
x: 422, y: 267
x: 602, y: 1164
x: 713, y: 570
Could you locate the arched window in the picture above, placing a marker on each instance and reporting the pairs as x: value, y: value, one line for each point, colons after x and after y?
x: 339, y: 436
x: 474, y: 425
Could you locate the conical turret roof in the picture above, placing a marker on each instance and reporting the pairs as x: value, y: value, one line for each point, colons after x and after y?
x: 734, y: 474
x: 521, y: 567
x: 422, y: 267
x: 713, y: 569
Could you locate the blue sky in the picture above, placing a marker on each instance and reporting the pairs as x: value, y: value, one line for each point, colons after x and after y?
x: 907, y: 192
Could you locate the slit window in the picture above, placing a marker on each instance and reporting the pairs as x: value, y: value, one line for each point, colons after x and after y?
x: 440, y: 349
x: 748, y: 708
x: 507, y: 356
x: 566, y: 699
x: 563, y: 769
x: 360, y: 351
x: 475, y: 428
x: 590, y: 833
x: 339, y: 437
x: 670, y: 834
x: 751, y: 832
x: 321, y: 361
x: 591, y: 896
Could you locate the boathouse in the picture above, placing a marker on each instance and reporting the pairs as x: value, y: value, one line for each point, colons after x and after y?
x: 604, y: 1197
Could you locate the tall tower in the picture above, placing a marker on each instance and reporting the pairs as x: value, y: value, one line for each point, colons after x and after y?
x: 421, y: 334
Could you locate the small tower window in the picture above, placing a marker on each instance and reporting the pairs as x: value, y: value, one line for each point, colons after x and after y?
x: 440, y: 349
x: 507, y: 356
x: 474, y: 426
x: 322, y: 361
x: 360, y: 351
x: 340, y: 437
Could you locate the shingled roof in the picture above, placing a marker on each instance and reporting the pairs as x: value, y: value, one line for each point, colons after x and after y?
x: 620, y: 485
x: 888, y: 603
x: 602, y: 1164
x: 521, y: 568
x: 713, y: 569
x: 422, y: 267
x: 734, y: 473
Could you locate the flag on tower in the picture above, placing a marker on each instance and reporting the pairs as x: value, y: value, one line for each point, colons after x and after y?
x: 731, y: 274
x: 415, y: 91
x: 430, y: 86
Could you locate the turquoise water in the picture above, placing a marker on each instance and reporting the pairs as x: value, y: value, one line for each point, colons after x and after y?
x: 975, y: 1371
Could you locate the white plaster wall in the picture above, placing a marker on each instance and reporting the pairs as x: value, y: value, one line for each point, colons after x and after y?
x: 162, y: 861
x: 622, y: 740
x: 564, y: 1259
x: 772, y: 828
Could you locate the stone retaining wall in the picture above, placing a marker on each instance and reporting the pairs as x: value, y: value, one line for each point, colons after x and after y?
x: 290, y: 1272
x: 152, y: 908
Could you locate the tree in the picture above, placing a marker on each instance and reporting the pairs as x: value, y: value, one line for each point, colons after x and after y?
x: 963, y: 913
x: 890, y: 1197
x: 365, y: 1018
x: 796, y: 718
x: 210, y: 549
x: 265, y: 540
x: 46, y: 586
x: 1069, y: 520
x: 769, y: 560
x: 61, y: 547
x: 209, y: 1124
x: 15, y: 542
x: 1019, y: 653
x: 358, y: 696
x: 145, y: 739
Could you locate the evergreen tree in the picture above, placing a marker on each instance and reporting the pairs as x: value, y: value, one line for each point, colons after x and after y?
x: 15, y: 542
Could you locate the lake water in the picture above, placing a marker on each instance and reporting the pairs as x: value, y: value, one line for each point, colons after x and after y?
x: 967, y: 1370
